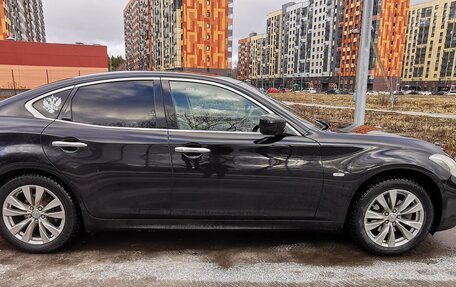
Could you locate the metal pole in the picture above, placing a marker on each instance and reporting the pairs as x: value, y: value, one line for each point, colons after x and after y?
x: 363, y: 63
x: 14, y: 82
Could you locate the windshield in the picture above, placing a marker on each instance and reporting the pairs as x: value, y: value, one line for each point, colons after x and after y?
x: 305, y: 119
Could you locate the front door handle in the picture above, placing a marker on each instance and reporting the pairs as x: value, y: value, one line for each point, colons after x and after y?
x: 192, y: 150
x: 63, y: 144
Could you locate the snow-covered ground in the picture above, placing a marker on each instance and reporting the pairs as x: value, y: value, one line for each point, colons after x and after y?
x: 228, y: 259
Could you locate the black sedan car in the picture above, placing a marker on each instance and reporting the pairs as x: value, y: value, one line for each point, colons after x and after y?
x: 169, y: 150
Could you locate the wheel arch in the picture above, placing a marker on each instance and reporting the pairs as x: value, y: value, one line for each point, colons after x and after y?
x: 428, y: 183
x: 9, y: 175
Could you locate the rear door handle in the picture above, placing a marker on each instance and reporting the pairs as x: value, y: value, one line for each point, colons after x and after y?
x: 63, y: 144
x: 192, y: 150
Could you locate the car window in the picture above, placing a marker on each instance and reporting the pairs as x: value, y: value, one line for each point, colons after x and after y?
x: 206, y: 107
x: 51, y: 106
x: 119, y: 104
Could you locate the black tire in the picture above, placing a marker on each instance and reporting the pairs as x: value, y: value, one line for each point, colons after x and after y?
x: 72, y: 221
x: 365, y: 198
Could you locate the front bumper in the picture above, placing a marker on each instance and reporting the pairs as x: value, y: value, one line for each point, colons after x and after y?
x: 448, y: 219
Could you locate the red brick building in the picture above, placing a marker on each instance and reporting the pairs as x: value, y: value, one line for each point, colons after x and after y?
x: 26, y: 65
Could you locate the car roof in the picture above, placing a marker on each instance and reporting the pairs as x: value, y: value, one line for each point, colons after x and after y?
x: 120, y: 75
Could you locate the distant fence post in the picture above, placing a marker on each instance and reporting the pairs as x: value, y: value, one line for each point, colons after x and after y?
x: 14, y: 82
x: 47, y: 75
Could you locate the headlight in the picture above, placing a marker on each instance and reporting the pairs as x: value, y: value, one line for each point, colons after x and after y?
x: 446, y: 162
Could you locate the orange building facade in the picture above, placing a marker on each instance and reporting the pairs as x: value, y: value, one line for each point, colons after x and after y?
x: 390, y: 31
x: 26, y: 65
x: 3, y: 21
x: 207, y: 29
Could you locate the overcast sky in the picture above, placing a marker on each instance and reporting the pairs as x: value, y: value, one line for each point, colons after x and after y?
x: 101, y: 21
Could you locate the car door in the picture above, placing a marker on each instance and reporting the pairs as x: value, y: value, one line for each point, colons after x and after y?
x: 224, y: 168
x: 108, y: 143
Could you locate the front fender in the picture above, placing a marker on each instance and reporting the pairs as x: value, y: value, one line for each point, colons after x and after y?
x: 346, y: 173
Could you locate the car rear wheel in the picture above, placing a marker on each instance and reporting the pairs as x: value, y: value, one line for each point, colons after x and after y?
x: 37, y: 215
x: 392, y: 216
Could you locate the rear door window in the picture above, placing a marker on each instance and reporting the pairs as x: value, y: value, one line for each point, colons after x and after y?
x: 119, y: 104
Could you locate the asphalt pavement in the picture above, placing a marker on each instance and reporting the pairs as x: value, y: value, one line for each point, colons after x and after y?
x: 228, y: 258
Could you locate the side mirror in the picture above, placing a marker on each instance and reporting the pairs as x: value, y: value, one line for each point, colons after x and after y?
x: 272, y: 125
x: 324, y: 125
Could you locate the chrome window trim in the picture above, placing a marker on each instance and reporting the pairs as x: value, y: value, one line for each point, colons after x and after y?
x: 36, y: 114
x: 117, y: 80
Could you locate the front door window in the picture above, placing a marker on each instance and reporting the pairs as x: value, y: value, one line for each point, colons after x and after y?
x: 210, y: 108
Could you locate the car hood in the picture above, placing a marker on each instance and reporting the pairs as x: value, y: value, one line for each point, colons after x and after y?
x: 382, y: 139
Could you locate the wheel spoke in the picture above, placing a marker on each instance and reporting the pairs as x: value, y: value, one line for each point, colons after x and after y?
x: 381, y: 200
x: 413, y: 209
x: 374, y: 215
x: 415, y: 224
x: 16, y: 203
x: 407, y: 234
x: 28, y: 194
x: 54, y: 203
x: 13, y: 212
x: 29, y: 231
x: 381, y: 237
x: 55, y: 231
x: 57, y: 215
x: 393, y: 198
x: 18, y: 227
x: 43, y: 233
x: 38, y: 195
x: 372, y: 225
x: 407, y: 201
x: 391, y: 236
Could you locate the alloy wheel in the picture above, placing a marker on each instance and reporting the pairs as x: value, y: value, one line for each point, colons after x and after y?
x: 394, y: 218
x: 33, y: 214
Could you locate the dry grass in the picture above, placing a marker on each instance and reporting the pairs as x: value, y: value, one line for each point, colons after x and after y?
x: 434, y: 130
x: 429, y: 104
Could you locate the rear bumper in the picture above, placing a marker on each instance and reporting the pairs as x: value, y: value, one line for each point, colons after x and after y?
x: 448, y: 219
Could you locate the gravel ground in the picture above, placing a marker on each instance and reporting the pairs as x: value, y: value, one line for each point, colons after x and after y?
x: 191, y: 258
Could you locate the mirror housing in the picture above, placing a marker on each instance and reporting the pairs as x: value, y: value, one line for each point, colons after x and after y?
x: 272, y: 125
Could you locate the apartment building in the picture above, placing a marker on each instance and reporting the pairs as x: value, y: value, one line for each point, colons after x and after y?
x: 137, y: 34
x: 258, y: 59
x: 309, y: 33
x: 244, y: 59
x: 315, y: 43
x: 430, y: 61
x: 180, y: 35
x: 274, y: 45
x: 22, y: 20
x: 389, y: 34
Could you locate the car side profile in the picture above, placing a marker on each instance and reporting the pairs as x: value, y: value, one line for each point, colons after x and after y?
x: 150, y: 150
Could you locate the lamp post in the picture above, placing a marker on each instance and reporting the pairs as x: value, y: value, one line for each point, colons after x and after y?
x: 363, y: 63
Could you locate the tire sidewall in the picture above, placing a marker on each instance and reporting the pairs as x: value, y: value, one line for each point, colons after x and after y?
x: 377, y: 190
x: 59, y: 192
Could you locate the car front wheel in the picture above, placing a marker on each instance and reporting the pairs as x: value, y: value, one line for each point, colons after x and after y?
x: 38, y: 214
x: 392, y: 216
